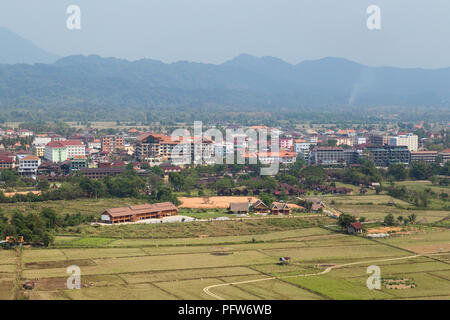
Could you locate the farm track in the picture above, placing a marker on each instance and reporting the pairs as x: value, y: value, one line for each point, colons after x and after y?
x: 327, y: 270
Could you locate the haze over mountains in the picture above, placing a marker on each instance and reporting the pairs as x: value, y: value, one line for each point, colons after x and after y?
x: 245, y: 83
x: 15, y: 49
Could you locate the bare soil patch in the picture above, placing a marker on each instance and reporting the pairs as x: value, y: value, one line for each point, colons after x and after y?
x: 217, y: 202
x: 432, y: 248
x: 212, y: 202
x: 59, y: 264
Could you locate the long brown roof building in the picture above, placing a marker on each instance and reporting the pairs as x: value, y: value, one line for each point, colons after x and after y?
x: 139, y: 212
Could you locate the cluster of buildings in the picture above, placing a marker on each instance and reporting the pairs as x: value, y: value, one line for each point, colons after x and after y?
x: 97, y: 156
x: 346, y: 147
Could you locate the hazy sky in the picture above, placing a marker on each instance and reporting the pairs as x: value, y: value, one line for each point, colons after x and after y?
x: 415, y: 33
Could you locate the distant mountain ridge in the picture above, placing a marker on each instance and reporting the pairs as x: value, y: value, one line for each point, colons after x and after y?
x: 15, y: 49
x: 108, y: 86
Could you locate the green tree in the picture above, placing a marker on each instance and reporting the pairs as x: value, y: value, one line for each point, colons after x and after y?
x: 345, y: 220
x: 389, y: 220
x: 266, y: 198
x: 398, y: 171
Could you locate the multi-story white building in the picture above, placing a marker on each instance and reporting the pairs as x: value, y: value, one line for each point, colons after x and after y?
x: 409, y: 140
x: 301, y: 147
x: 75, y: 148
x: 55, y: 151
x: 29, y: 165
x: 283, y: 157
x: 286, y: 143
x: 359, y: 140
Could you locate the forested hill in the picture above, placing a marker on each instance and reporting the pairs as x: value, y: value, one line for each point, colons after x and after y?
x: 85, y: 86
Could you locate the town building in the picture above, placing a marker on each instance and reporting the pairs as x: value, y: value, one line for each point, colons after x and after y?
x: 327, y: 156
x: 384, y: 156
x: 355, y: 227
x: 445, y: 155
x: 260, y: 207
x: 75, y: 164
x: 75, y: 148
x: 280, y: 208
x: 177, y: 150
x: 112, y: 143
x: 282, y: 157
x: 301, y: 147
x: 409, y: 140
x: 55, y: 151
x: 28, y: 166
x: 7, y: 160
x: 239, y: 207
x: 378, y: 138
x: 95, y: 144
x: 343, y: 140
x: 100, y: 173
x: 60, y: 151
x: 139, y: 213
x: 424, y: 156
x: 286, y: 143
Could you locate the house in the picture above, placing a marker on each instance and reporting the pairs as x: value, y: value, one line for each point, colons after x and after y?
x: 100, y: 173
x: 445, y: 155
x: 28, y: 166
x: 7, y: 160
x: 239, y: 207
x: 355, y: 227
x: 20, y: 154
x: 280, y: 208
x: 139, y: 213
x: 168, y: 168
x: 260, y: 207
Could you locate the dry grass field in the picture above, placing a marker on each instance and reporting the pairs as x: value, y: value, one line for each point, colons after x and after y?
x: 183, y: 268
x: 235, y: 259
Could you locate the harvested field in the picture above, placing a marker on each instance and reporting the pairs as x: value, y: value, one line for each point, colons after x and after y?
x: 211, y: 202
x: 323, y: 265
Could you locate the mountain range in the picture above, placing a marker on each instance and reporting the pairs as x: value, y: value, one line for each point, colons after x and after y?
x: 79, y: 84
x: 16, y: 49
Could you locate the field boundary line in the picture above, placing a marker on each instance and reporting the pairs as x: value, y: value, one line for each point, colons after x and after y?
x: 327, y: 270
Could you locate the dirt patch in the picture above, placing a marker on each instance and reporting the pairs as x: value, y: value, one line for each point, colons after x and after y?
x: 211, y: 202
x: 59, y: 264
x: 394, y: 230
x: 431, y: 248
x: 224, y: 253
x: 324, y: 265
x: 49, y: 284
x: 12, y: 194
x: 217, y: 202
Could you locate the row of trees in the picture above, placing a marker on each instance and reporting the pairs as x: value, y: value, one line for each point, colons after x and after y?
x: 127, y: 184
x: 418, y: 171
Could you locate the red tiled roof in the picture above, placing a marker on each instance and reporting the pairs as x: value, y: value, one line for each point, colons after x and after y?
x: 72, y: 143
x: 55, y: 144
x: 141, y: 209
x: 357, y: 225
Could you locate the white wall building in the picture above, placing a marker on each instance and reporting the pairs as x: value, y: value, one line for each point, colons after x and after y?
x: 409, y: 140
x: 29, y: 165
x: 74, y: 148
